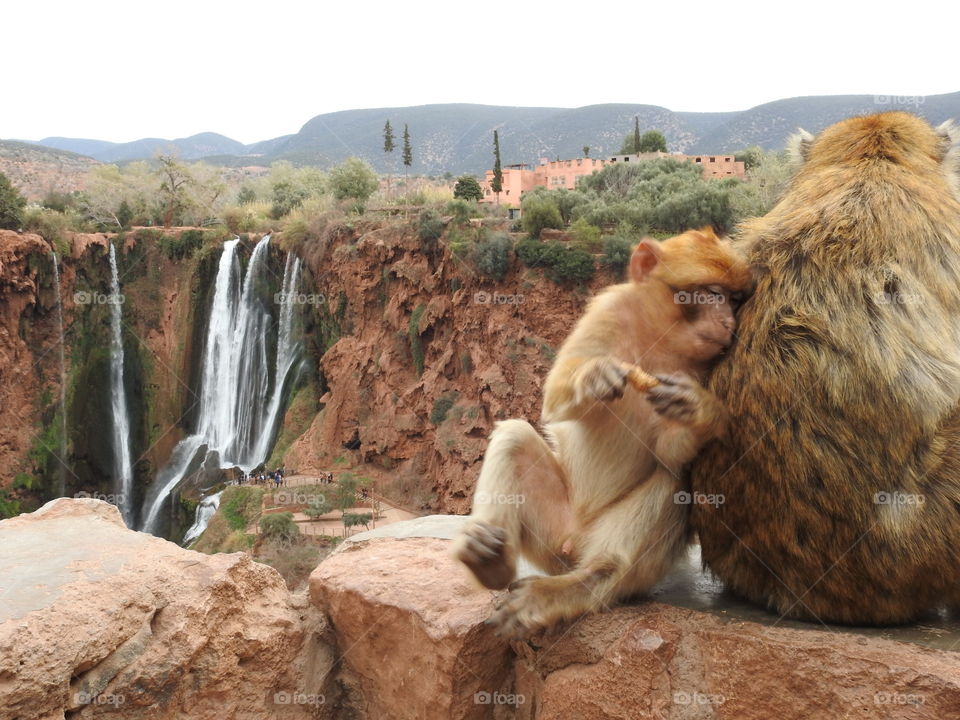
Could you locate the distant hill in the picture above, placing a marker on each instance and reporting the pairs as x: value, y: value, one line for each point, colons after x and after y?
x: 458, y: 138
x: 191, y: 148
x: 36, y: 170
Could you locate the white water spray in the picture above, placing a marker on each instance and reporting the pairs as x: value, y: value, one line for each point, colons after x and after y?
x: 122, y: 464
x: 240, y: 403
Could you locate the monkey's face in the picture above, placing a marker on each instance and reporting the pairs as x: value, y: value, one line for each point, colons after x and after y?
x: 706, y: 316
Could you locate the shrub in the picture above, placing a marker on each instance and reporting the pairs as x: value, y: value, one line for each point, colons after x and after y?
x: 51, y: 225
x: 178, y: 247
x: 492, y: 256
x: 585, y: 236
x: 616, y: 253
x: 540, y: 212
x: 441, y: 407
x: 286, y: 197
x: 413, y: 333
x: 461, y: 210
x: 561, y: 263
x: 429, y: 227
x: 279, y: 526
x: 12, y: 204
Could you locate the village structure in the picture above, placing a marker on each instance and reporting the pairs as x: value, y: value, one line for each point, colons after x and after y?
x: 557, y: 174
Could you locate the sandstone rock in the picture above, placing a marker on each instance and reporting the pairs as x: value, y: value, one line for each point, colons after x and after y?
x: 102, y: 621
x: 407, y: 624
x: 409, y: 628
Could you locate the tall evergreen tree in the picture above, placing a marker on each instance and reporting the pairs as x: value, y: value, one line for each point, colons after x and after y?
x: 387, y: 138
x: 636, y: 133
x: 497, y: 184
x: 388, y: 148
x: 407, y: 150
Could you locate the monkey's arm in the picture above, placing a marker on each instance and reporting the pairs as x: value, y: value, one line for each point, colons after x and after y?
x: 692, y: 416
x: 577, y: 384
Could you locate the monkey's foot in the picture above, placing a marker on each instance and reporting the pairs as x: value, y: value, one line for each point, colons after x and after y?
x: 531, y: 605
x: 482, y: 547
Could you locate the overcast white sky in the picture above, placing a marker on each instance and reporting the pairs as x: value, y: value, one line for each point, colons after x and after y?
x: 120, y: 71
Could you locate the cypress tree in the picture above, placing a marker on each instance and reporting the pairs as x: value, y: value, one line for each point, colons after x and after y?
x: 497, y: 184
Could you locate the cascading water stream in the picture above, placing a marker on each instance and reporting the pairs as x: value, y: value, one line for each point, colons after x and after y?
x: 205, y: 510
x: 240, y: 403
x: 62, y: 487
x: 122, y: 464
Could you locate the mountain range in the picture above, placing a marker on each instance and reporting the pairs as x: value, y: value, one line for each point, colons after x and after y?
x: 458, y: 138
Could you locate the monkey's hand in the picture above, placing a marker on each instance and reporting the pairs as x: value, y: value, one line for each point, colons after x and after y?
x: 680, y: 398
x: 600, y: 379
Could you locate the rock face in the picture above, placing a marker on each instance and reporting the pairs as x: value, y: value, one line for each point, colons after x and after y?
x: 486, y: 348
x: 97, y: 620
x: 408, y: 625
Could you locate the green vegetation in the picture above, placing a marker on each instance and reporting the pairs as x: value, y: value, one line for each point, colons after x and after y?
x: 429, y: 227
x: 279, y: 527
x: 355, y: 181
x: 467, y: 188
x: 561, y: 263
x: 12, y: 204
x: 441, y: 407
x: 491, y: 256
x: 413, y: 333
x: 407, y: 149
x: 616, y: 253
x: 240, y: 505
x: 539, y: 212
x: 496, y: 184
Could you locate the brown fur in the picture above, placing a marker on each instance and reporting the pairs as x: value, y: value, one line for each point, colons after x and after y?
x: 592, y: 502
x: 845, y: 385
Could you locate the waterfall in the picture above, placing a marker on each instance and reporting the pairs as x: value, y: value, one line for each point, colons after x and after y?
x: 241, y: 401
x: 62, y: 486
x: 205, y: 510
x: 122, y: 465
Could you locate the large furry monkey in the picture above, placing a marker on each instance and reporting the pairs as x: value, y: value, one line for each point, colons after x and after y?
x: 841, y: 478
x: 593, y: 502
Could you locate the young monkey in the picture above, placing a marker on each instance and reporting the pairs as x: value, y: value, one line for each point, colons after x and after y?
x: 593, y: 502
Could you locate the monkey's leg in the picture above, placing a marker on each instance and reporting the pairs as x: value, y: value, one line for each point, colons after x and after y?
x: 521, y: 505
x: 625, y: 552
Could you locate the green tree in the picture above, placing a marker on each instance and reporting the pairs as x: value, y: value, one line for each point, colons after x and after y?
x: 467, y: 188
x: 387, y: 138
x: 497, y: 183
x: 751, y: 157
x: 652, y: 141
x: 636, y: 133
x: 286, y: 197
x: 586, y: 151
x: 124, y: 214
x: 492, y: 256
x: 539, y: 212
x: 317, y: 507
x: 246, y: 195
x: 12, y: 204
x: 407, y: 149
x: 353, y: 180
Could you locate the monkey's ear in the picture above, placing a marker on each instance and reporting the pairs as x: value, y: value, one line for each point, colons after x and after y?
x: 645, y: 257
x: 798, y: 146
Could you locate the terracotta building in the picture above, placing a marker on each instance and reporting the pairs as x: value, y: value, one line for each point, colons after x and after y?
x: 556, y: 174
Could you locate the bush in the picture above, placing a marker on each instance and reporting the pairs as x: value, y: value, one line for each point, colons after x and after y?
x: 178, y: 247
x: 539, y: 212
x: 12, y: 204
x: 51, y: 225
x: 413, y: 333
x: 492, y: 256
x: 467, y: 188
x: 279, y: 526
x: 429, y: 227
x: 442, y: 406
x: 353, y: 180
x: 585, y: 236
x: 561, y: 263
x: 616, y: 253
x: 286, y: 197
x: 461, y: 210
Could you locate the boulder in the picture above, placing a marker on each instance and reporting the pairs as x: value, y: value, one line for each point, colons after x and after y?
x: 408, y: 623
x: 98, y: 620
